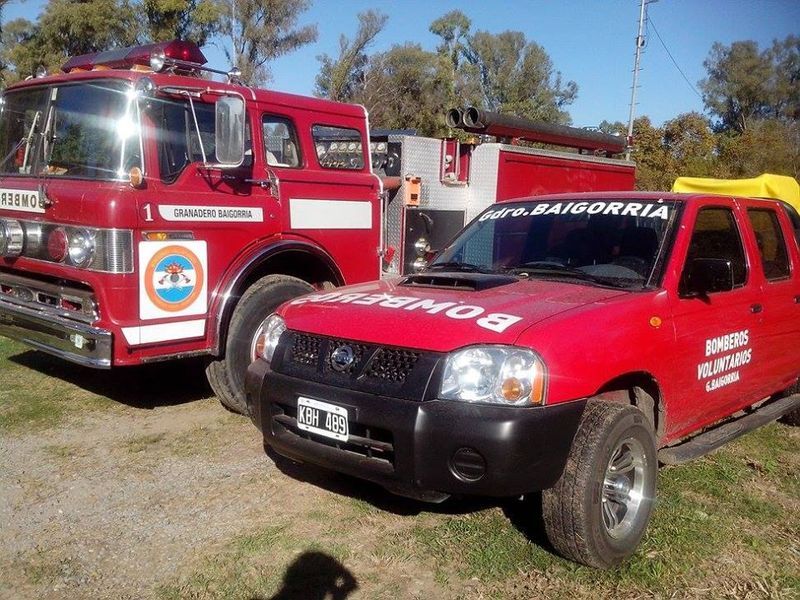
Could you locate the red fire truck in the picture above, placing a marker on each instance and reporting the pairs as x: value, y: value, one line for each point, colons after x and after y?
x: 149, y: 213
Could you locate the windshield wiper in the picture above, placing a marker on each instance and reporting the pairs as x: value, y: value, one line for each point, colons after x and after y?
x: 26, y: 139
x: 559, y: 270
x: 455, y: 265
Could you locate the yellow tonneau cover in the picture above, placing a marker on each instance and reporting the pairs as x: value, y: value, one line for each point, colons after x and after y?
x: 767, y: 185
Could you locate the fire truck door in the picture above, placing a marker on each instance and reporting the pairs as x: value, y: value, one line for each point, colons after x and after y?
x: 329, y: 198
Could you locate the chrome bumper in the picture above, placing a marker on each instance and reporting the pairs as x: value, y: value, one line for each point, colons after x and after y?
x: 65, y: 338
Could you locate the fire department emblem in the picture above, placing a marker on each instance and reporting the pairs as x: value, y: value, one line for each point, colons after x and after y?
x: 173, y: 278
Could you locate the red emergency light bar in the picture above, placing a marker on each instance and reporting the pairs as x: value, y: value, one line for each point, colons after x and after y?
x: 126, y: 58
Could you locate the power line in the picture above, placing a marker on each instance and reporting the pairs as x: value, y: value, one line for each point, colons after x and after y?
x: 672, y: 58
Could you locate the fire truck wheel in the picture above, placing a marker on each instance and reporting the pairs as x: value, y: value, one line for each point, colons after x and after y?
x: 226, y: 376
x: 598, y: 511
x: 792, y: 418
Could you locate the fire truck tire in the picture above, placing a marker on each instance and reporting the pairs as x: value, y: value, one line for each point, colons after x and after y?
x: 598, y: 511
x: 226, y: 375
x: 792, y: 418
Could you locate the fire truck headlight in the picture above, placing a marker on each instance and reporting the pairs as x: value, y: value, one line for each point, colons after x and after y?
x: 81, y: 248
x: 266, y: 339
x: 494, y: 375
x: 11, y: 237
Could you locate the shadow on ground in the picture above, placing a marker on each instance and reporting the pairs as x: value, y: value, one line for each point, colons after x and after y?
x: 524, y: 513
x: 146, y: 386
x: 315, y: 576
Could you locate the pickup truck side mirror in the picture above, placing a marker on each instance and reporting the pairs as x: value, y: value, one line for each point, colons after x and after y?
x: 229, y: 131
x: 707, y: 275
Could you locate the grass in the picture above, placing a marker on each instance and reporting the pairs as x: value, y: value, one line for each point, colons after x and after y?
x: 31, y: 400
x: 725, y: 526
x: 735, y: 508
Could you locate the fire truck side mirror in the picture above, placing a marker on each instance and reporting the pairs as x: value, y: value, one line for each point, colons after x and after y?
x: 229, y: 131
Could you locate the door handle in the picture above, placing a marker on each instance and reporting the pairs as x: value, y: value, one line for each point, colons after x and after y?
x: 756, y: 308
x: 797, y: 299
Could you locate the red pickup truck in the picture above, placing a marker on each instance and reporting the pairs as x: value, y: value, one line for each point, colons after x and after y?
x: 565, y: 343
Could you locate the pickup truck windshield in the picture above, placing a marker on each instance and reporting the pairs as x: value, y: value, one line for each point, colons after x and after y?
x: 618, y: 243
x: 87, y: 130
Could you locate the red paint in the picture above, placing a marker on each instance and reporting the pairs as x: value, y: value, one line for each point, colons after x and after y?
x: 233, y: 248
x: 588, y: 336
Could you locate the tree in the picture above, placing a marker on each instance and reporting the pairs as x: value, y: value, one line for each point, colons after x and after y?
x: 517, y: 77
x: 406, y: 88
x: 767, y: 146
x: 263, y: 30
x: 192, y: 20
x: 340, y: 78
x: 67, y: 28
x: 744, y: 84
x: 690, y: 147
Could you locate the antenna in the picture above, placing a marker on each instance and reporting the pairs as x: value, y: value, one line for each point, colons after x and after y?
x: 640, y: 43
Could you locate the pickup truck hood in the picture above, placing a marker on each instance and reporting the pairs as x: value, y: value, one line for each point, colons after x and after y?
x: 435, y: 317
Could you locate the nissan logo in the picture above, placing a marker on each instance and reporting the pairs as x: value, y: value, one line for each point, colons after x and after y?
x: 342, y: 358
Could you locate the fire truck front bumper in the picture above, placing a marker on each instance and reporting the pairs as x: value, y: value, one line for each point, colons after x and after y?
x: 426, y: 450
x: 65, y: 338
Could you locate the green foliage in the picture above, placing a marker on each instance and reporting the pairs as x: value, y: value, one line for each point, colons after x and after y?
x: 341, y: 78
x: 261, y: 31
x: 745, y: 84
x: 193, y: 20
x: 517, y: 77
x: 409, y: 87
x: 67, y: 28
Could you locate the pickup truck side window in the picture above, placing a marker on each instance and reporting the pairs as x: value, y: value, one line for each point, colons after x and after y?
x: 771, y: 244
x: 716, y: 235
x: 338, y: 147
x: 280, y: 142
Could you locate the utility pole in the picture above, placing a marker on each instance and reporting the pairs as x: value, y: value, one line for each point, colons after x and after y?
x: 234, y: 53
x: 640, y: 43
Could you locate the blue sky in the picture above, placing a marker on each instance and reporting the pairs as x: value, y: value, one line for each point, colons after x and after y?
x: 590, y: 42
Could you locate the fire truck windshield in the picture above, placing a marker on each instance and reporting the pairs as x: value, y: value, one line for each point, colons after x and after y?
x: 617, y: 243
x: 87, y: 130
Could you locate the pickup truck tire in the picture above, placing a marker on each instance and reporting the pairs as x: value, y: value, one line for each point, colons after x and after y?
x: 792, y: 418
x: 598, y: 511
x: 226, y: 375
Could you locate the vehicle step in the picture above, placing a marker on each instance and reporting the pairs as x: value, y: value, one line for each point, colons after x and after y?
x: 712, y: 439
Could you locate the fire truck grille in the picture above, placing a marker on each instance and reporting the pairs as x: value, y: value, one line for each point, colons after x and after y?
x: 373, y: 443
x: 392, y: 365
x: 305, y: 349
x: 395, y: 372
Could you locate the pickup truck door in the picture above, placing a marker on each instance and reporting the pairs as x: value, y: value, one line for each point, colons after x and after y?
x: 717, y: 357
x: 780, y: 282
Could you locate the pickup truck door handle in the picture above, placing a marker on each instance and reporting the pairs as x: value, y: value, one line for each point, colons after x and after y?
x: 797, y: 299
x: 756, y: 308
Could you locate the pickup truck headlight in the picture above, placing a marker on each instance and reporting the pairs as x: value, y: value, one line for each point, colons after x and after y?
x: 268, y: 336
x: 495, y: 375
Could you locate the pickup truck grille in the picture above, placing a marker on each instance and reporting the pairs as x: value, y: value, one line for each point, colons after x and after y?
x: 399, y: 372
x: 373, y: 443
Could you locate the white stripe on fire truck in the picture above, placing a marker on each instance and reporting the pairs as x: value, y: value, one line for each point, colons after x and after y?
x: 148, y: 334
x: 330, y: 214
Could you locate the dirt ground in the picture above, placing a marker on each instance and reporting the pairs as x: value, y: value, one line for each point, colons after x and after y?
x: 137, y: 484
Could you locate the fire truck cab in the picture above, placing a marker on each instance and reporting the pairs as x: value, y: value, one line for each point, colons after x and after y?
x: 148, y: 212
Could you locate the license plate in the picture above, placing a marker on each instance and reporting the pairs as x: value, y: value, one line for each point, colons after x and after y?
x: 322, y: 418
